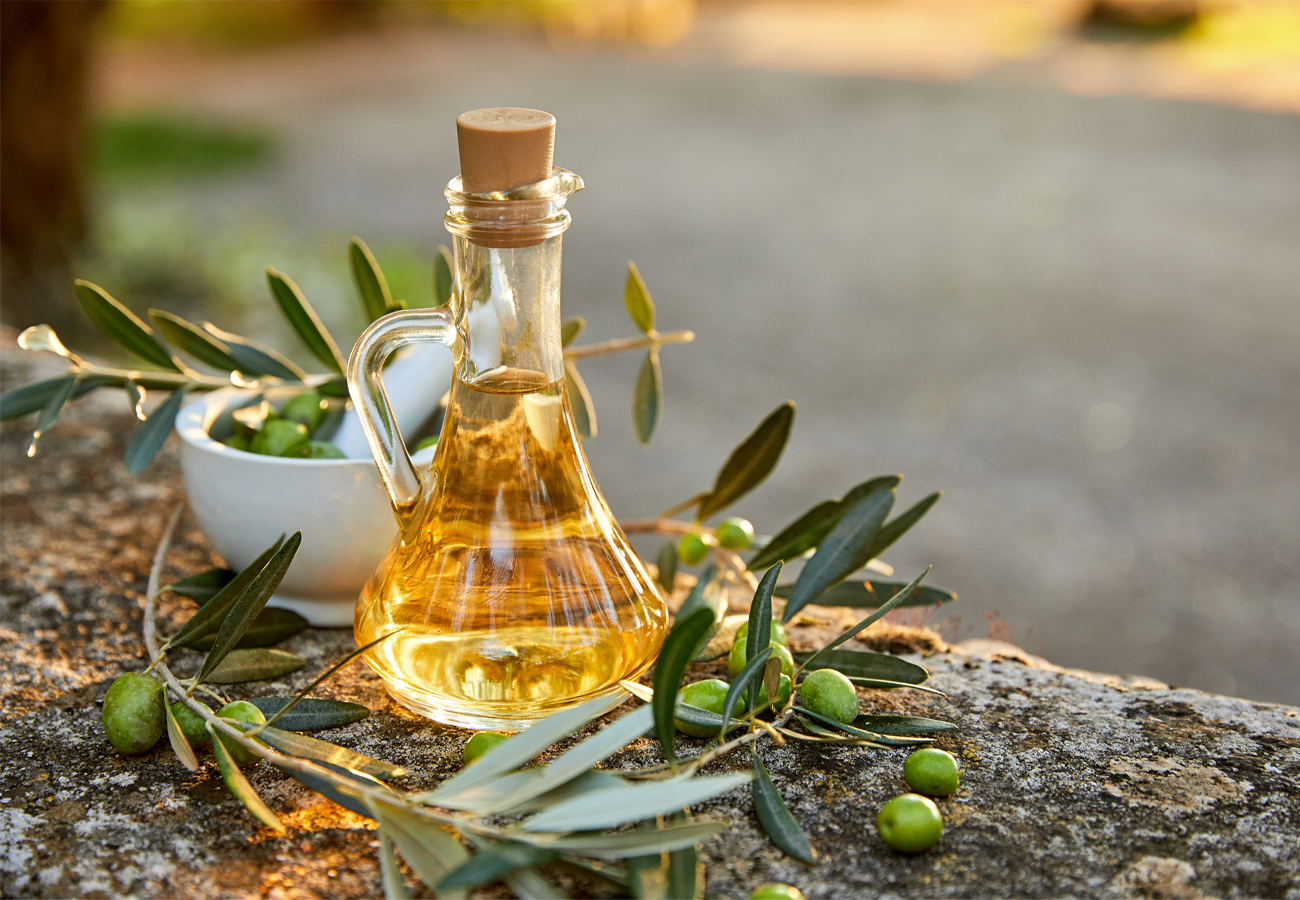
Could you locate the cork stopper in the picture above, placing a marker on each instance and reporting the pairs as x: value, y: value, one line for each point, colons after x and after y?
x: 504, y: 147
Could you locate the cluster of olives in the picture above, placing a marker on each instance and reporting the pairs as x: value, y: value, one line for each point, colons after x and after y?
x: 134, y: 718
x: 731, y: 534
x: 289, y: 432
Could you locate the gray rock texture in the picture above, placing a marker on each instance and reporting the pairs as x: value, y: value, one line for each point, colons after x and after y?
x: 1073, y: 784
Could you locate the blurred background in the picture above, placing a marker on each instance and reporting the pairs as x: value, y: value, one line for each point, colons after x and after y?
x: 1042, y: 255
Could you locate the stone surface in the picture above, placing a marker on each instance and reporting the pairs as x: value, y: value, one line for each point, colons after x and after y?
x: 1072, y: 783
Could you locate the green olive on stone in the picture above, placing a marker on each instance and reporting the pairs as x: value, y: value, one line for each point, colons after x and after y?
x: 240, y: 711
x: 829, y: 694
x: 932, y: 772
x: 910, y: 823
x: 735, y: 533
x: 776, y: 892
x: 192, y: 724
x: 133, y: 715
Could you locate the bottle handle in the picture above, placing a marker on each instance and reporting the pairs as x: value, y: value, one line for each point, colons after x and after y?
x: 385, y: 336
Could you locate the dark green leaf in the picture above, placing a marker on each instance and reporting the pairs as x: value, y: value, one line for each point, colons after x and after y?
x: 193, y: 340
x: 760, y: 613
x: 54, y: 407
x: 247, y: 607
x: 807, y: 531
x: 369, y: 279
x: 494, y: 863
x: 301, y: 696
x: 645, y: 398
x: 334, y: 387
x: 256, y: 664
x: 240, y: 787
x: 304, y: 320
x: 570, y: 329
x: 666, y: 563
x: 394, y: 885
x: 674, y: 656
x: 894, y: 601
x: 750, y: 462
x: 31, y: 397
x: 348, y: 799
x: 743, y: 683
x: 693, y: 715
x: 584, y: 412
x: 637, y: 300
x: 423, y: 843
x: 861, y: 733
x: 254, y: 358
x: 210, y: 614
x: 868, y: 666
x: 271, y: 626
x: 150, y: 435
x: 634, y: 844
x: 685, y: 870
x: 443, y: 282
x: 312, y: 714
x: 840, y: 553
x: 180, y: 746
x: 875, y: 592
x: 322, y: 751
x: 633, y: 803
x: 821, y: 732
x: 901, y: 725
x: 202, y: 586
x: 894, y: 529
x: 648, y: 876
x: 122, y: 326
x: 776, y: 819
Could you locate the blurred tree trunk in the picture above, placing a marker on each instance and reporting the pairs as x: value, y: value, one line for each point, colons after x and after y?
x: 44, y: 78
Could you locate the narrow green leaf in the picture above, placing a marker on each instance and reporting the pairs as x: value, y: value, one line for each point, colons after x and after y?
x: 254, y: 358
x: 861, y: 733
x: 334, y: 387
x: 135, y: 396
x: 443, y: 281
x: 685, y: 871
x: 750, y: 462
x: 666, y: 566
x: 901, y: 725
x: 892, y: 530
x: 149, y: 437
x: 210, y: 614
x: 122, y: 326
x: 191, y: 339
x: 637, y: 300
x: 312, y: 714
x: 807, y: 531
x: 180, y: 746
x: 866, y: 665
x: 513, y: 753
x: 648, y: 877
x: 873, y: 592
x: 369, y: 279
x: 570, y: 329
x: 246, y: 608
x: 394, y: 885
x: 591, y: 780
x: 631, y: 844
x: 584, y: 411
x: 304, y: 320
x: 646, y: 397
x: 532, y: 884
x: 300, y: 697
x: 348, y: 799
x: 494, y: 863
x: 253, y: 664
x: 618, y: 806
x: 54, y: 408
x: 202, y: 586
x: 31, y: 397
x: 839, y: 554
x: 674, y: 656
x: 776, y: 818
x: 271, y: 626
x: 894, y: 601
x: 741, y: 684
x: 423, y: 843
x: 760, y: 613
x: 240, y: 787
x: 323, y: 751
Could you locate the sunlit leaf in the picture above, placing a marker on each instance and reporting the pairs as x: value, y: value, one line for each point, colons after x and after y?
x: 584, y: 411
x: 311, y: 714
x: 750, y: 462
x: 271, y: 626
x: 592, y: 780
x: 193, y: 340
x: 807, y: 531
x: 868, y: 666
x: 150, y: 435
x: 254, y: 664
x: 304, y: 320
x: 240, y: 787
x: 255, y: 358
x: 901, y: 725
x: 637, y: 300
x: 618, y: 806
x: 122, y: 326
x: 31, y: 397
x: 210, y: 615
x: 425, y: 846
x: 840, y: 552
x: 322, y: 751
x: 646, y: 396
x: 394, y: 885
x: 776, y: 819
x: 344, y: 797
x: 570, y: 329
x: 678, y: 648
x: 52, y: 410
x: 180, y: 746
x: 44, y: 339
x: 666, y: 564
x: 494, y: 863
x: 135, y: 395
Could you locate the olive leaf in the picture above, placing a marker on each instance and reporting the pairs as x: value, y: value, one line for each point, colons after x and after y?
x: 648, y: 876
x: 570, y: 329
x: 122, y: 326
x: 494, y: 863
x: 591, y: 780
x: 301, y: 696
x: 52, y: 410
x: 646, y: 396
x: 394, y: 885
x: 246, y: 608
x: 443, y: 281
x: 776, y: 818
x: 866, y: 667
x: 637, y: 300
x: 334, y: 387
x: 254, y: 358
x: 750, y: 462
x: 149, y: 437
x: 210, y: 615
x: 31, y: 397
x: 584, y: 412
x: 194, y: 340
x: 632, y: 803
x: 344, y: 797
x: 807, y: 531
x: 180, y: 746
x: 880, y: 612
x: 901, y: 725
x: 312, y: 714
x: 760, y: 613
x: 240, y: 787
x: 135, y: 396
x: 840, y: 554
x: 253, y: 664
x: 685, y: 871
x: 376, y: 300
x: 860, y: 733
x: 741, y: 684
x: 666, y: 565
x: 43, y: 338
x: 304, y: 320
x: 322, y: 751
x: 636, y: 843
x: 872, y: 592
x: 425, y: 846
x: 678, y: 648
x: 706, y: 594
x: 271, y: 626
x: 895, y: 528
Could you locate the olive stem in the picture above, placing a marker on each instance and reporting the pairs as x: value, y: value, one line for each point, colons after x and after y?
x: 651, y: 338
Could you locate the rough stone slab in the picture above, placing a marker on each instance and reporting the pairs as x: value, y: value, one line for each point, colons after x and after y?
x: 1073, y: 783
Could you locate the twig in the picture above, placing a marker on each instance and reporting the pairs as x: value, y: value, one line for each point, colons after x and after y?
x: 651, y: 338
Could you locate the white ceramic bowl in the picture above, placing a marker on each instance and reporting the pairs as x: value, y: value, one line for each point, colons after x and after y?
x: 244, y: 501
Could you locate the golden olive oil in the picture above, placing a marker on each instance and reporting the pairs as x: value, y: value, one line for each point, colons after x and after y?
x: 511, y: 593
